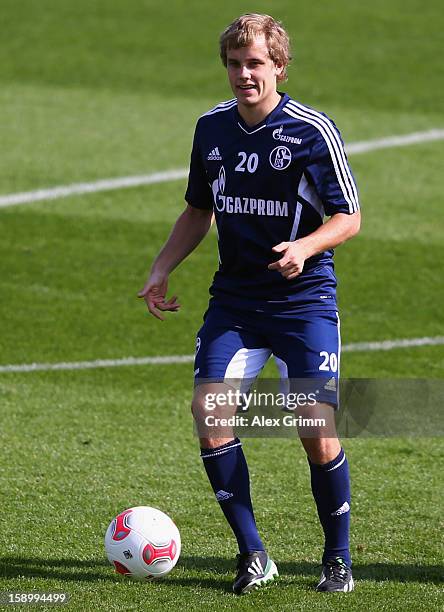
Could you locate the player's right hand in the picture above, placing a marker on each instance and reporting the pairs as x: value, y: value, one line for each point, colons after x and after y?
x: 154, y: 294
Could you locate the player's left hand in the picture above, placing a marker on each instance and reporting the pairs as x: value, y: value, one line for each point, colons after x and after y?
x: 292, y: 261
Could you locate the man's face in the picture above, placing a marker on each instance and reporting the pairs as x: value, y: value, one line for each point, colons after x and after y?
x: 252, y: 73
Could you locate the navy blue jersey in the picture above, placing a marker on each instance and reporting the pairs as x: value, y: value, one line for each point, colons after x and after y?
x: 267, y: 184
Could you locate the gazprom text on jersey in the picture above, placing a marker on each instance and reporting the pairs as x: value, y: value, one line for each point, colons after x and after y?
x: 251, y: 206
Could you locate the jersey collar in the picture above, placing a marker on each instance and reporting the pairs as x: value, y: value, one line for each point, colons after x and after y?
x: 252, y: 129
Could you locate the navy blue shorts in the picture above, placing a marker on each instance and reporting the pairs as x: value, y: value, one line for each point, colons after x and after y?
x: 236, y: 345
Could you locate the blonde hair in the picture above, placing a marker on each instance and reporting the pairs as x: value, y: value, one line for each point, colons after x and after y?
x: 243, y: 31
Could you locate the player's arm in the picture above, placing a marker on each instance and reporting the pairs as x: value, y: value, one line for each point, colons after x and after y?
x: 339, y: 228
x: 188, y: 231
x: 329, y: 173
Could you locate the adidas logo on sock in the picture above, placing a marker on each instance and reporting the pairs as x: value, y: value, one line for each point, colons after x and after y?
x: 342, y: 510
x: 223, y: 495
x: 214, y: 155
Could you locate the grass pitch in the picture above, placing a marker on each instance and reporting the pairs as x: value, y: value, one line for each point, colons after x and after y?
x: 91, y: 90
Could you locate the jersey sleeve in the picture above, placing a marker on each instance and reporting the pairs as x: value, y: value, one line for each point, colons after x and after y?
x: 330, y: 172
x: 198, y: 193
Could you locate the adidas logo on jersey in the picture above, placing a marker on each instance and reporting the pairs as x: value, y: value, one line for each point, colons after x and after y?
x: 223, y: 495
x: 342, y: 510
x: 214, y: 155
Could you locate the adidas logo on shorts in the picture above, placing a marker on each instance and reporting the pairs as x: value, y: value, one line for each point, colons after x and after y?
x: 331, y: 384
x: 214, y: 155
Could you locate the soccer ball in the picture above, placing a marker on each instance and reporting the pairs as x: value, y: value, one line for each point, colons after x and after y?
x: 142, y: 543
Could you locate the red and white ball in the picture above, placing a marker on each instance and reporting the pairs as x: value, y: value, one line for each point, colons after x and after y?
x: 142, y: 543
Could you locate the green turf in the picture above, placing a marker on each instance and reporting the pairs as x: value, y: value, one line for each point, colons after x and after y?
x: 86, y: 445
x: 92, y: 90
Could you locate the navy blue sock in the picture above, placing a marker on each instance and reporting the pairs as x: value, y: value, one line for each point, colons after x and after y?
x: 227, y: 471
x: 330, y: 484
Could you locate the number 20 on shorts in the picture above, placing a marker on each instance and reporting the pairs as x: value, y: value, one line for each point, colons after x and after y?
x: 329, y: 363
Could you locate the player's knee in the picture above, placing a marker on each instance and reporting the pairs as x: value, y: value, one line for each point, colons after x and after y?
x: 321, y: 450
x: 197, y: 408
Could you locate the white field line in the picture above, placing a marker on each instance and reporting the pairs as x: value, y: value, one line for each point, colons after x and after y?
x: 385, y: 345
x: 125, y: 182
x: 394, y: 141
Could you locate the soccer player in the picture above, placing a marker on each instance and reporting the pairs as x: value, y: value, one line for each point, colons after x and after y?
x: 269, y: 169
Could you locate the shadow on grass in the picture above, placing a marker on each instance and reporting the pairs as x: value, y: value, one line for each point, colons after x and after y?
x: 198, y: 568
x: 57, y: 569
x: 93, y: 570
